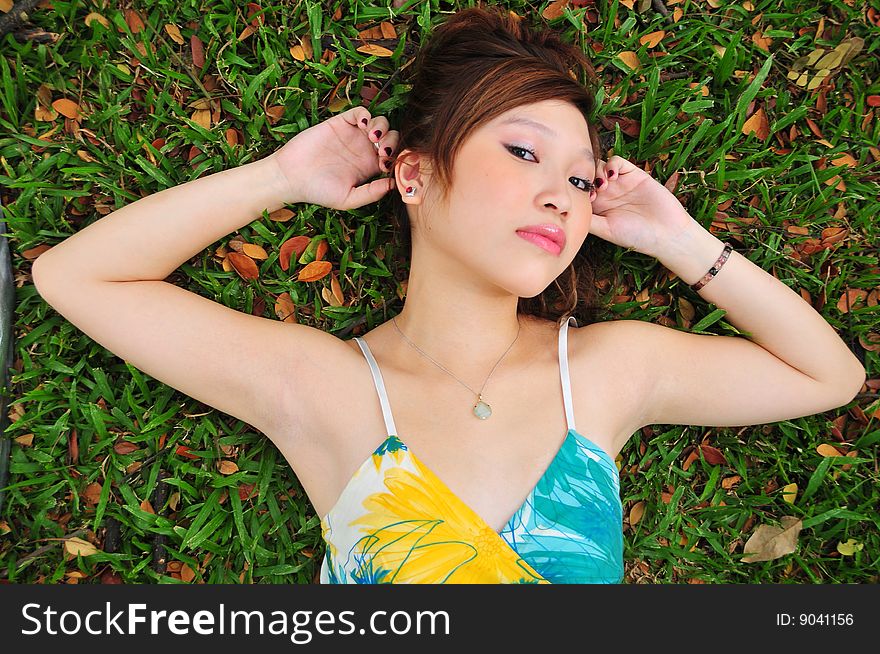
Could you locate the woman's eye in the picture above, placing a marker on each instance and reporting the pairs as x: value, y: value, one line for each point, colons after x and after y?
x: 519, y: 147
x: 589, y: 186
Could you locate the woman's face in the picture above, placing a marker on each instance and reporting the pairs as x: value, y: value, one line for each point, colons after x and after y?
x: 500, y: 187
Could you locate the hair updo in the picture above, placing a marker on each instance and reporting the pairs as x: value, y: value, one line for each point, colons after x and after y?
x: 478, y: 64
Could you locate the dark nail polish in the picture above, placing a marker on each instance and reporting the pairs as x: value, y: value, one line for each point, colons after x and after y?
x: 598, y: 182
x: 388, y: 165
x: 388, y: 151
x: 364, y: 121
x: 610, y: 173
x: 377, y: 133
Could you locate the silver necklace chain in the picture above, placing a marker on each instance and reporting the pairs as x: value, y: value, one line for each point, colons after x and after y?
x: 483, y: 411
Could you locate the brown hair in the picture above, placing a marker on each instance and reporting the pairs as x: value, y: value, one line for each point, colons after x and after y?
x: 478, y: 64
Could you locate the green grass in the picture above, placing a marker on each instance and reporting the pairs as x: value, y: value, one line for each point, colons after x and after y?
x: 65, y: 387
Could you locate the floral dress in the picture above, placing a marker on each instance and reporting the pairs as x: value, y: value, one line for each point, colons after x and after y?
x: 397, y: 522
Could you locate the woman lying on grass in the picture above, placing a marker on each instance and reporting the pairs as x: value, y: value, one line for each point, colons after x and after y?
x: 478, y: 438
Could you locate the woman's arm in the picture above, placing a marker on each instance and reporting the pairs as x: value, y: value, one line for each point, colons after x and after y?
x: 777, y: 318
x: 150, y: 238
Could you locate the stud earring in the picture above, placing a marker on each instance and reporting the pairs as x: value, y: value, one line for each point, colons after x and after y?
x: 410, y: 191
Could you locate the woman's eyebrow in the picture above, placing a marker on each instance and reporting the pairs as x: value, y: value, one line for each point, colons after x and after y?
x: 541, y: 127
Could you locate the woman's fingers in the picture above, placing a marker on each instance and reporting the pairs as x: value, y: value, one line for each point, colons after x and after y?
x: 601, y: 178
x: 388, y: 150
x: 380, y: 136
x: 377, y: 129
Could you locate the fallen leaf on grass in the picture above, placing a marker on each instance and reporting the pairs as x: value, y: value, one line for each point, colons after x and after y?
x: 636, y: 512
x: 186, y: 573
x: 183, y: 450
x: 79, y: 546
x: 789, y: 493
x: 828, y: 450
x: 713, y: 455
x: 92, y: 494
x: 850, y: 547
x: 769, y: 542
x: 124, y: 447
x: 729, y: 482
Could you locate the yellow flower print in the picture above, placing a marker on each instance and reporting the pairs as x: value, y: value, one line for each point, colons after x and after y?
x: 418, y: 531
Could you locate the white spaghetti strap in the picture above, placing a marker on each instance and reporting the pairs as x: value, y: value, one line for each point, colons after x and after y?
x: 563, y: 372
x: 380, y: 386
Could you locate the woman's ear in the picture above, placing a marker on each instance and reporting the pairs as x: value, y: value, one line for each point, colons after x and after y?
x: 414, y: 173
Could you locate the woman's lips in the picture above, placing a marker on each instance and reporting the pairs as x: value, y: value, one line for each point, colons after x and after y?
x: 541, y: 241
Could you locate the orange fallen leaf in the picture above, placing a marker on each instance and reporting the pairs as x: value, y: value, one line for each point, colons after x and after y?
x: 314, y: 271
x: 202, y: 118
x: 630, y: 58
x: 758, y: 124
x: 94, y: 16
x: 282, y: 216
x: 555, y: 9
x: 297, y: 52
x: 243, y: 265
x: 275, y: 113
x: 652, y: 39
x: 174, y: 32
x: 729, y: 482
x: 186, y: 573
x: 67, y: 108
x: 92, y: 493
x: 285, y: 308
x: 636, y: 512
x: 828, y: 450
x: 292, y: 248
x: 254, y: 251
x: 183, y: 450
x: 134, y: 21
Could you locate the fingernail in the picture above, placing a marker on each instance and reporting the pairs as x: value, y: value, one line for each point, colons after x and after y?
x: 388, y: 165
x: 610, y: 173
x: 364, y: 121
x: 599, y: 182
x: 388, y: 151
x: 377, y: 133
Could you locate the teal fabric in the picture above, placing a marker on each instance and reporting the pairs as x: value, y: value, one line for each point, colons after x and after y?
x: 570, y: 528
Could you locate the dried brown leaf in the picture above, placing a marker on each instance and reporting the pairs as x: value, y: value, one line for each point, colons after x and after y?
x: 78, y: 546
x: 174, y: 32
x: 769, y: 542
x: 124, y: 447
x: 636, y: 512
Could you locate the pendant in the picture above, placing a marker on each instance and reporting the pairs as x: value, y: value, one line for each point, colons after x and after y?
x: 482, y: 410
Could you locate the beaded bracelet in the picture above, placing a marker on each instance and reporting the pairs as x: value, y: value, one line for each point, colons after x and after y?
x: 715, y: 268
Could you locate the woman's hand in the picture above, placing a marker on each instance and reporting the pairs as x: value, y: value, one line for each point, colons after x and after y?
x: 328, y: 163
x: 633, y: 210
